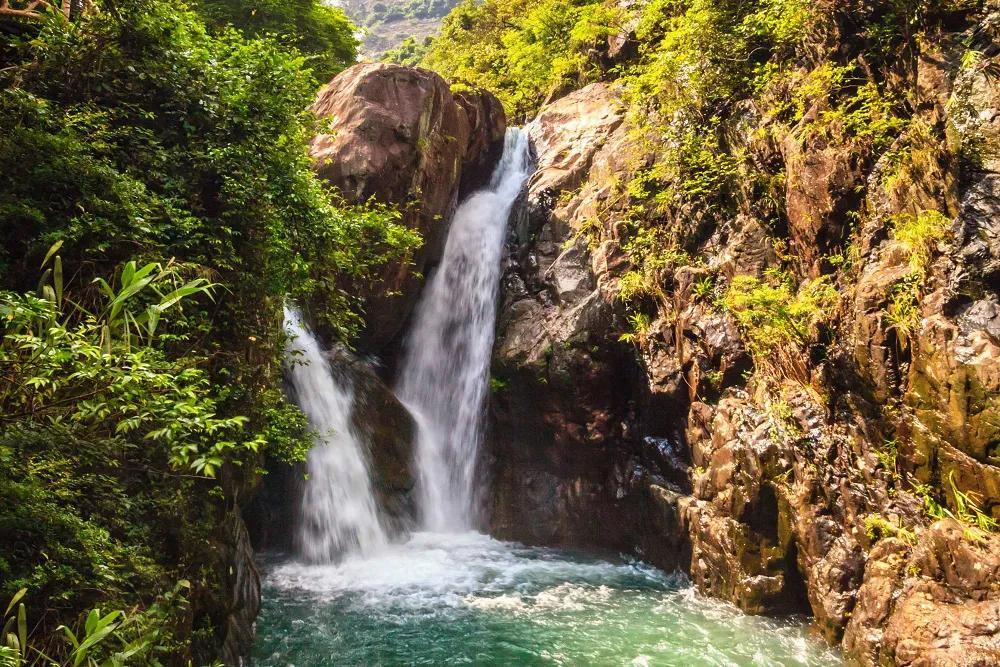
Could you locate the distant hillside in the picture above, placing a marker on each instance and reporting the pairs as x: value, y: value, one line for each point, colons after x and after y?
x: 388, y: 22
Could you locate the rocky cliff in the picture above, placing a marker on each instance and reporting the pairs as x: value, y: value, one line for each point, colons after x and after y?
x: 813, y: 478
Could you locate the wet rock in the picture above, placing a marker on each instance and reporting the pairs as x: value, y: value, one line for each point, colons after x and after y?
x: 389, y: 430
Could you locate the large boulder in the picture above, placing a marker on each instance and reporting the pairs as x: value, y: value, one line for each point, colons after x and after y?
x: 398, y: 135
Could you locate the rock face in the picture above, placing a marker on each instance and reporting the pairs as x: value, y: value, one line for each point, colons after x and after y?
x: 570, y: 466
x: 808, y: 482
x: 935, y: 603
x: 398, y: 135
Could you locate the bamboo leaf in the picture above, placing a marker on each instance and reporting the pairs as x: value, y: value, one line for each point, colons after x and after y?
x: 14, y: 600
x: 44, y: 280
x: 57, y: 280
x: 22, y: 628
x: 53, y: 249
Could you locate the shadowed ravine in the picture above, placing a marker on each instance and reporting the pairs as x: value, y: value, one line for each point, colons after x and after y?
x: 447, y: 594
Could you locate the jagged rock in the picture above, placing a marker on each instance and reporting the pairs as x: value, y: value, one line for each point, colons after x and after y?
x: 820, y: 186
x: 398, y: 135
x: 783, y: 474
x: 937, y: 603
x: 954, y: 381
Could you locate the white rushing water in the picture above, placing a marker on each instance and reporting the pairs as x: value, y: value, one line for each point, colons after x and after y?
x: 466, y: 598
x: 445, y: 372
x: 339, y: 514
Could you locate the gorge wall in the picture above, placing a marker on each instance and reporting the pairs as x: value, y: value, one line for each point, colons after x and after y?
x: 809, y: 481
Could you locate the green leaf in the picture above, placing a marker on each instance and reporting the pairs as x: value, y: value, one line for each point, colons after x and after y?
x: 14, y: 600
x: 53, y: 249
x: 57, y: 281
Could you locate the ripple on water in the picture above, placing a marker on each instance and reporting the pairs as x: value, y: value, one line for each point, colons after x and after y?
x: 469, y: 599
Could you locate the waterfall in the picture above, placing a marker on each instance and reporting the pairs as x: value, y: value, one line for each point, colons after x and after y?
x: 444, y: 378
x: 339, y: 513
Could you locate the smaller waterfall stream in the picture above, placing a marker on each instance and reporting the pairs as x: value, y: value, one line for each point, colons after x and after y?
x: 444, y: 376
x: 339, y: 514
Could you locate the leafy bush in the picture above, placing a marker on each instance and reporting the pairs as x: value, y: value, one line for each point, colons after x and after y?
x: 771, y: 312
x: 321, y: 31
x: 919, y: 234
x: 174, y: 163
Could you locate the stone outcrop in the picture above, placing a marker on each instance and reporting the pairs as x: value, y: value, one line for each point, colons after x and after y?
x: 934, y: 603
x: 398, y: 135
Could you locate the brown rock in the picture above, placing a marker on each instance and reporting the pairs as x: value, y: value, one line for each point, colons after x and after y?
x: 567, y: 134
x: 398, y: 135
x: 937, y: 603
x: 487, y: 127
x: 820, y: 185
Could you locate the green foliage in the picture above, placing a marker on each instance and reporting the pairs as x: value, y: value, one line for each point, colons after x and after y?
x: 919, y: 234
x: 521, y: 50
x: 887, y: 455
x: 966, y: 504
x: 410, y: 52
x: 704, y: 288
x: 166, y: 166
x: 78, y: 375
x: 968, y: 511
x: 633, y: 284
x: 772, y: 313
x: 114, y: 639
x: 414, y: 9
x: 322, y: 32
x: 641, y: 325
x: 877, y: 527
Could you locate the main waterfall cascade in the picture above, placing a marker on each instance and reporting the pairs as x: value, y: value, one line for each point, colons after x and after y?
x: 444, y: 383
x: 445, y: 372
x: 339, y: 513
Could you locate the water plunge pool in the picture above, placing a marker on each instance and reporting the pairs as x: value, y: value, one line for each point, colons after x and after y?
x: 467, y: 599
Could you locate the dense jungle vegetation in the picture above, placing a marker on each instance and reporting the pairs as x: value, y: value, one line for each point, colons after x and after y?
x: 157, y: 208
